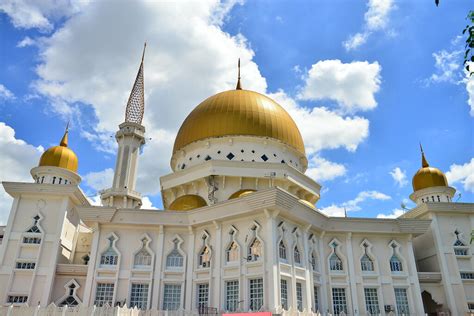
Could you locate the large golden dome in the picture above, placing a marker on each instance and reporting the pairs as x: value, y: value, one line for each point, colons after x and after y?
x: 239, y: 112
x: 427, y: 177
x: 60, y: 156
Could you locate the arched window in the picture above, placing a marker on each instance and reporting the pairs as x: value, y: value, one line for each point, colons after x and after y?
x: 42, y: 179
x: 110, y: 256
x: 205, y: 257
x: 366, y: 263
x: 54, y: 180
x: 395, y: 262
x: 282, y: 250
x: 255, y: 250
x: 174, y: 258
x: 60, y: 180
x: 314, y: 261
x: 70, y: 300
x: 35, y: 227
x: 460, y: 248
x: 297, y: 255
x: 143, y: 256
x: 232, y: 252
x: 335, y: 263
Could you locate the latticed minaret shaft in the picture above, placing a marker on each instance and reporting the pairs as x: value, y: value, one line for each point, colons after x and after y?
x: 130, y: 138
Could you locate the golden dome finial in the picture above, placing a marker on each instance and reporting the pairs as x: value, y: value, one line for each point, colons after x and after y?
x: 238, y: 87
x: 64, y: 140
x: 424, y: 162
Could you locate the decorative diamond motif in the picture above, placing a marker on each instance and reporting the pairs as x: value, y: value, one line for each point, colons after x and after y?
x: 230, y: 156
x: 264, y: 157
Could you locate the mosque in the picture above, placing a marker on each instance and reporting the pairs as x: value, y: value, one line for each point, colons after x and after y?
x: 239, y: 231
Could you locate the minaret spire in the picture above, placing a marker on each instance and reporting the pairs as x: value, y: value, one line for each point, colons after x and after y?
x: 136, y: 102
x: 424, y: 163
x: 64, y: 140
x: 238, y: 87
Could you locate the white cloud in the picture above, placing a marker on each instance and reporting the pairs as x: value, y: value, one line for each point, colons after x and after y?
x: 17, y: 158
x: 26, y: 41
x: 470, y: 91
x: 353, y: 85
x: 376, y: 18
x: 99, y: 180
x: 448, y: 66
x: 321, y: 169
x: 5, y: 94
x: 146, y: 204
x: 353, y: 205
x: 462, y: 174
x: 399, y: 176
x: 39, y: 13
x: 395, y: 213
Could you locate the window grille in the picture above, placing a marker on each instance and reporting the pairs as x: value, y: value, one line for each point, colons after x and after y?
x: 202, y: 295
x: 255, y: 250
x: 142, y: 257
x: 282, y: 250
x: 460, y: 249
x: 256, y: 294
x: 401, y: 300
x: 467, y: 275
x: 395, y: 264
x: 297, y: 255
x: 110, y: 256
x: 299, y: 296
x: 24, y: 265
x: 34, y: 228
x: 339, y: 303
x: 139, y: 295
x: 32, y: 240
x: 174, y: 258
x: 335, y: 263
x: 232, y: 252
x: 104, y: 294
x: 205, y: 257
x: 371, y: 301
x: 316, y: 298
x: 172, y: 297
x: 284, y: 294
x: 366, y: 263
x: 70, y: 300
x: 232, y: 295
x: 17, y: 299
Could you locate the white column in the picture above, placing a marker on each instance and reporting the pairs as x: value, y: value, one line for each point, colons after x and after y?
x: 189, y: 270
x: 324, y: 273
x: 352, y: 281
x: 215, y: 286
x: 91, y: 265
x: 158, y: 275
x: 415, y: 283
x: 271, y: 262
x: 308, y: 270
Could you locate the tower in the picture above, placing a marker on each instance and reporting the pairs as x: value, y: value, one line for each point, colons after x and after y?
x: 130, y: 138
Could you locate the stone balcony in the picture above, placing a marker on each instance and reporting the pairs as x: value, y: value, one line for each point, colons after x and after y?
x: 429, y: 277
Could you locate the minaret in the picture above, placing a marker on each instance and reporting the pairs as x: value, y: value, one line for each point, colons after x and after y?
x: 130, y: 138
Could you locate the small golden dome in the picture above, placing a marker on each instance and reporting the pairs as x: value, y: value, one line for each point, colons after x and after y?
x: 239, y: 113
x: 241, y: 193
x: 187, y: 202
x: 60, y: 156
x: 427, y: 177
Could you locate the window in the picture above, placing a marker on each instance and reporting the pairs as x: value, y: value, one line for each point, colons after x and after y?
x: 255, y: 250
x: 174, y: 258
x: 467, y: 275
x: 139, y: 295
x: 371, y: 301
x: 316, y: 299
x: 297, y: 255
x: 32, y: 240
x: 470, y: 306
x: 110, y: 256
x: 401, y: 300
x: 35, y: 228
x: 54, y: 180
x: 17, y: 299
x: 366, y: 262
x: 460, y: 249
x: 232, y: 252
x: 339, y: 303
x: 335, y: 263
x: 104, y: 294
x: 202, y: 295
x: 299, y: 296
x: 395, y: 262
x: 256, y: 294
x: 142, y: 257
x: 172, y: 297
x: 24, y: 265
x: 70, y: 300
x: 232, y: 295
x: 314, y: 262
x: 282, y: 250
x: 205, y: 258
x: 284, y: 294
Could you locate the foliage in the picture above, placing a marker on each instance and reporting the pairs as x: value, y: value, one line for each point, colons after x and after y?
x: 469, y: 47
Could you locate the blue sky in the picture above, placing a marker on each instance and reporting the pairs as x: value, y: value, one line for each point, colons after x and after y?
x: 365, y: 82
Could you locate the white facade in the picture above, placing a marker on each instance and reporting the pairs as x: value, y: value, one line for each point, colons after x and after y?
x: 268, y: 250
